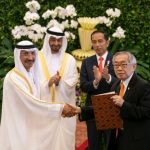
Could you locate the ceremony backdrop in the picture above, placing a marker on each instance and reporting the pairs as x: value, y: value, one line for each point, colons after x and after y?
x: 134, y: 19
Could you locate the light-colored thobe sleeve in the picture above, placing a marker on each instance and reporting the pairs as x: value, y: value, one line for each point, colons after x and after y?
x: 27, y: 122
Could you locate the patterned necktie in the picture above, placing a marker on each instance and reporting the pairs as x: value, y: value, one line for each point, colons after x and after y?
x: 121, y: 93
x: 101, y: 64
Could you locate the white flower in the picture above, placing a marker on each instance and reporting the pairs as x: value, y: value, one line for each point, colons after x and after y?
x: 117, y: 12
x: 35, y: 31
x: 53, y: 14
x: 38, y: 28
x: 35, y: 36
x: 46, y: 14
x: 33, y: 6
x: 109, y: 12
x: 71, y: 11
x: 101, y: 19
x: 69, y: 35
x: 62, y: 13
x: 32, y: 36
x: 112, y: 13
x: 19, y: 31
x: 66, y: 24
x: 73, y: 36
x: 52, y: 23
x: 49, y: 13
x: 74, y: 24
x: 119, y: 33
x: 61, y: 26
x: 55, y: 23
x: 107, y: 21
x: 16, y: 32
x: 29, y: 22
x: 31, y: 17
x: 23, y: 30
x: 104, y: 20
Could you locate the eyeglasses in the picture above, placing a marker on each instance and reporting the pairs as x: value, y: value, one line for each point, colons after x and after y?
x: 122, y: 65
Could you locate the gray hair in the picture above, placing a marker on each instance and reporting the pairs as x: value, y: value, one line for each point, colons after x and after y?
x: 131, y: 57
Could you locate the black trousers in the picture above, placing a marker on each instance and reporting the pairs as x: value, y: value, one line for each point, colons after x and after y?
x: 97, y: 139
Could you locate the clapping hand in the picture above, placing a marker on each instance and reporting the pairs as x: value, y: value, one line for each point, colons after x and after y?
x: 97, y: 74
x: 105, y: 73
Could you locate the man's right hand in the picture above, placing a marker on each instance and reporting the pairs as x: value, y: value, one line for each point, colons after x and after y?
x: 97, y: 74
x: 54, y: 80
x: 70, y: 111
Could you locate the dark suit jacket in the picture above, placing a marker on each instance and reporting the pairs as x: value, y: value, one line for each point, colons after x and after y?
x: 135, y: 113
x: 87, y: 77
x: 86, y: 84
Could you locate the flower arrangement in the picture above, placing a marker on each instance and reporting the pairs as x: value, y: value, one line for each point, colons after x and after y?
x: 65, y: 18
x: 91, y: 23
x: 62, y: 17
x: 112, y: 14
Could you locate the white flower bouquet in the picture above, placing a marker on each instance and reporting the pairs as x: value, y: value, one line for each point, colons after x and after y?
x: 62, y: 17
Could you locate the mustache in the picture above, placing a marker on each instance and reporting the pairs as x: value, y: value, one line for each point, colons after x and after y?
x: 30, y: 61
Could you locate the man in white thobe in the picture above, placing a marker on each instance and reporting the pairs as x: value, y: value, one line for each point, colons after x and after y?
x: 59, y: 78
x: 27, y: 122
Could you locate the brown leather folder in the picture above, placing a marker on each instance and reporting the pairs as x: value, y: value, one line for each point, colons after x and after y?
x: 107, y: 115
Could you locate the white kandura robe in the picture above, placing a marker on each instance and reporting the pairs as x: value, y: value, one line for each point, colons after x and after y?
x: 27, y: 123
x: 64, y: 92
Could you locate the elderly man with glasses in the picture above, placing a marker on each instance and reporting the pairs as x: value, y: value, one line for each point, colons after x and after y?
x: 134, y: 103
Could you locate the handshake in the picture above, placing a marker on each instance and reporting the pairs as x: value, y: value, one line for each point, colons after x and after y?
x: 70, y: 110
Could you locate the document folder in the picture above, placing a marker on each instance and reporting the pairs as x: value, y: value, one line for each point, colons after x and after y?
x: 107, y: 115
